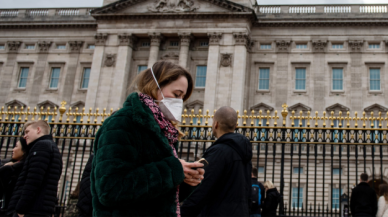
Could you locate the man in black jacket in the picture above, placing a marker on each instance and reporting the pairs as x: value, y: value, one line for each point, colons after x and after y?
x: 255, y: 207
x: 35, y: 192
x: 363, y: 201
x: 226, y: 187
x: 84, y: 204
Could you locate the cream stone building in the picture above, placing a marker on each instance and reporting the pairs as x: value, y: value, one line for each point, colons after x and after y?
x: 251, y: 57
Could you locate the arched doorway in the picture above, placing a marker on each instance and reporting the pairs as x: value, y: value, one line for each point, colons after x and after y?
x: 374, y: 183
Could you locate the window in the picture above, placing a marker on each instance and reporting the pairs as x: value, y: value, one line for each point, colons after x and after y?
x: 85, y: 78
x: 297, y: 200
x: 23, y: 77
x: 374, y: 46
x: 174, y: 43
x: 300, y: 79
x: 374, y: 75
x: 337, y: 79
x: 337, y: 171
x: 265, y: 46
x: 264, y: 79
x: 30, y: 46
x: 91, y: 46
x: 296, y: 122
x: 301, y: 46
x: 260, y: 169
x: 145, y: 44
x: 336, y: 123
x: 54, y: 78
x: 336, y: 197
x: 2, y: 47
x: 49, y: 119
x: 204, y: 44
x: 61, y: 47
x: 141, y: 68
x: 200, y: 79
x: 298, y: 170
x: 337, y: 46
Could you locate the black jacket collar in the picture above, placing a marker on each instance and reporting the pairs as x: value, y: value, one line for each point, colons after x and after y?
x: 364, y: 183
x: 45, y: 137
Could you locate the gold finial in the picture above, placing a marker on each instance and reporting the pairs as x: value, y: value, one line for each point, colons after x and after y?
x: 96, y: 114
x: 363, y: 119
x: 308, y: 118
x: 62, y: 110
x: 27, y: 114
x: 267, y: 118
x: 316, y: 118
x: 324, y: 118
x: 245, y: 117
x: 356, y: 119
x: 348, y: 118
x: 48, y: 113
x: 284, y: 114
x: 292, y: 118
x: 34, y: 114
x: 89, y: 114
x: 332, y: 118
x: 252, y: 117
x: 1, y: 113
x: 21, y: 114
x: 68, y: 114
x: 372, y: 119
x: 207, y: 116
x: 192, y: 116
x: 54, y: 114
x: 75, y: 115
x: 260, y: 117
x: 275, y: 118
x: 184, y: 116
x: 199, y: 117
x: 380, y: 120
x: 301, y: 118
x: 13, y: 113
x: 238, y: 116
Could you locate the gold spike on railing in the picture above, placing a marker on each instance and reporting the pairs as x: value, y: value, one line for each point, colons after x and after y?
x: 324, y: 118
x: 332, y: 118
x: 62, y: 110
x: 6, y: 114
x: 199, y: 117
x: 245, y: 117
x: 363, y: 120
x: 308, y: 118
x: 184, y: 115
x: 89, y: 114
x: 21, y: 114
x: 68, y: 114
x: 267, y: 117
x: 301, y: 118
x: 238, y: 116
x: 380, y: 120
x: 96, y: 114
x: 207, y: 116
x: 13, y: 113
x: 75, y: 115
x: 356, y: 119
x: 260, y: 116
x: 103, y: 115
x: 292, y: 118
x: 252, y: 117
x: 340, y: 118
x: 372, y: 119
x: 55, y: 113
x: 275, y: 118
x: 1, y: 113
x: 192, y: 116
x: 316, y: 118
x: 284, y: 114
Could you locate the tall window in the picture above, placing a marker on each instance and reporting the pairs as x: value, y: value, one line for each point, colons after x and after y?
x: 200, y: 79
x: 374, y: 46
x: 336, y: 197
x: 300, y: 79
x: 337, y: 46
x: 54, y: 78
x: 337, y: 171
x: 298, y: 170
x: 23, y: 77
x: 338, y: 79
x: 260, y: 169
x: 297, y: 198
x: 141, y: 68
x: 85, y: 78
x: 265, y: 46
x: 374, y: 79
x: 301, y: 46
x: 264, y: 79
x: 2, y: 47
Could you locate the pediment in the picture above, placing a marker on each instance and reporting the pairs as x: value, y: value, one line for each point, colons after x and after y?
x: 299, y: 107
x: 15, y: 103
x: 337, y: 107
x: 78, y: 104
x: 194, y: 104
x: 261, y: 106
x: 376, y: 107
x: 129, y: 7
x: 46, y: 104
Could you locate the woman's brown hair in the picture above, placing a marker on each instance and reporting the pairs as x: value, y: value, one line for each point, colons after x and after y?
x: 383, y: 191
x: 165, y: 73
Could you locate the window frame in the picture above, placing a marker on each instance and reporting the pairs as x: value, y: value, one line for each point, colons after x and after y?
x: 340, y: 192
x: 196, y: 76
x: 300, y: 198
x: 2, y: 46
x: 27, y: 45
x: 345, y: 82
x: 292, y: 74
x: 255, y: 82
x: 337, y: 44
x: 296, y: 79
x: 305, y: 46
x: 83, y: 77
x: 51, y: 77
x: 19, y: 77
x: 263, y: 45
x: 139, y: 68
x: 269, y: 79
x: 371, y: 45
x: 91, y: 46
x: 381, y: 67
x: 59, y: 45
x: 370, y: 79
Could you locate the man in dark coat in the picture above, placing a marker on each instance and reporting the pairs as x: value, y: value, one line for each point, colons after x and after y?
x: 363, y: 201
x: 35, y: 192
x: 226, y: 187
x: 84, y: 204
x: 255, y: 208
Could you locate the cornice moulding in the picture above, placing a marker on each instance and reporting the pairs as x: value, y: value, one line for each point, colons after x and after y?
x: 370, y: 63
x: 300, y: 62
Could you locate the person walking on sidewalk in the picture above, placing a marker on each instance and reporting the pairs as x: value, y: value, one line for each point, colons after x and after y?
x: 363, y: 202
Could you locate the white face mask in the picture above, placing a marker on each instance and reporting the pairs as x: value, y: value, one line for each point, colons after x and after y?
x: 171, y: 107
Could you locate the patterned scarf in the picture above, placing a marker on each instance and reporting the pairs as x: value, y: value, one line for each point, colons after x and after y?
x: 168, y: 130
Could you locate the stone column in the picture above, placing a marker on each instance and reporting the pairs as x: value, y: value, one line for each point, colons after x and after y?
x: 239, y: 67
x: 184, y: 51
x: 67, y: 90
x: 120, y: 85
x: 212, y: 71
x: 318, y: 74
x: 7, y: 70
x: 95, y: 71
x: 156, y: 38
x: 356, y: 71
x: 283, y: 48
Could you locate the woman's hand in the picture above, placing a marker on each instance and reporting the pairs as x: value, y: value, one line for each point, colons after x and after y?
x: 192, y: 177
x: 9, y: 163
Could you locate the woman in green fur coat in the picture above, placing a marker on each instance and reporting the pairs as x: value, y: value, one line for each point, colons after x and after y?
x: 136, y: 170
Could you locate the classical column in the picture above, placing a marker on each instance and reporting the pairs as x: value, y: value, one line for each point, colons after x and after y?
x: 67, y: 91
x: 7, y: 71
x: 356, y: 71
x: 118, y: 90
x: 184, y: 51
x: 242, y: 40
x: 156, y: 38
x: 95, y: 71
x: 212, y: 70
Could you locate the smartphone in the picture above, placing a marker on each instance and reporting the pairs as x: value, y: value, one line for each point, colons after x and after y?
x: 204, y: 162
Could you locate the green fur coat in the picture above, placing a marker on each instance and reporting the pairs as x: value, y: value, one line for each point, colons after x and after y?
x: 134, y: 169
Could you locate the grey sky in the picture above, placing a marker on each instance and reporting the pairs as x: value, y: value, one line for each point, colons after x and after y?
x: 98, y: 3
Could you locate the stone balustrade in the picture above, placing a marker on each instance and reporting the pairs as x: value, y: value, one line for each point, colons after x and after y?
x: 37, y: 12
x: 71, y: 12
x: 338, y: 9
